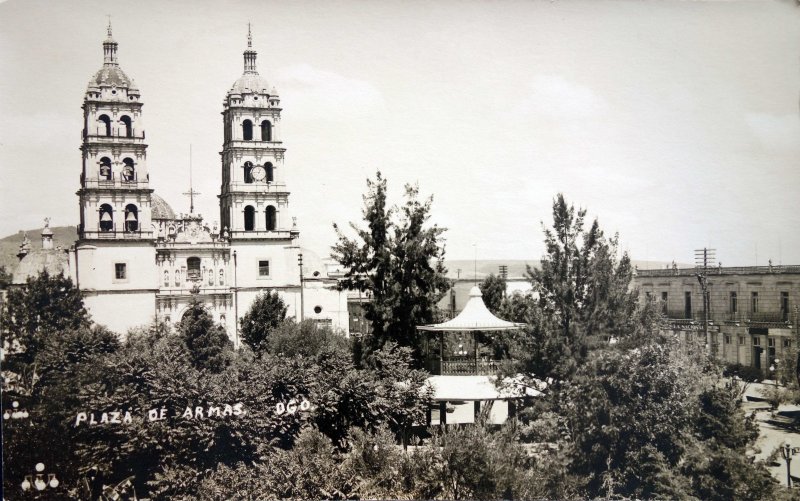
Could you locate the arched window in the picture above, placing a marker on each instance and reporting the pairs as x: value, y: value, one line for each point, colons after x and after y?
x: 247, y: 130
x: 270, y: 173
x: 131, y: 218
x: 270, y: 218
x: 106, y: 218
x: 105, y: 129
x: 128, y: 171
x: 266, y: 131
x: 126, y: 120
x: 105, y: 168
x: 248, y: 176
x: 221, y: 277
x: 249, y: 218
x: 193, y: 269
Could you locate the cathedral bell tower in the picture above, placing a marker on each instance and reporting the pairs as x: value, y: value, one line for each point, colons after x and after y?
x: 115, y: 193
x: 254, y: 200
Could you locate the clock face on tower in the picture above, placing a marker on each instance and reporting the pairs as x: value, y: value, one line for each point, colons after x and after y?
x: 258, y: 173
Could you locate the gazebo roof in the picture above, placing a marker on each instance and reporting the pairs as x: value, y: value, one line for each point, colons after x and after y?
x: 474, y: 317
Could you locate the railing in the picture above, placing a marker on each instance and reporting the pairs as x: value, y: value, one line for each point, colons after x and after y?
x: 100, y: 133
x: 463, y: 367
x: 114, y: 234
x: 115, y: 182
x: 275, y: 234
x: 729, y: 270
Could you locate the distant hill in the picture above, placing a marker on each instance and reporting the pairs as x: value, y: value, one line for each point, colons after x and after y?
x: 63, y: 236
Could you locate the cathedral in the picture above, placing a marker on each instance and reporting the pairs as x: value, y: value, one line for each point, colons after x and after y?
x: 136, y: 260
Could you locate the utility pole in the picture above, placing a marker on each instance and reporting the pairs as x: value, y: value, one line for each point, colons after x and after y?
x: 701, y: 259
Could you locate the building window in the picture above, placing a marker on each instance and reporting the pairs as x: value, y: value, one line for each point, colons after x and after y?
x: 687, y: 304
x: 271, y: 218
x: 754, y: 302
x: 263, y: 268
x: 131, y: 218
x: 126, y: 121
x: 105, y: 128
x: 734, y: 306
x: 128, y: 171
x: 106, y: 218
x: 270, y: 172
x: 247, y: 130
x: 787, y: 343
x: 318, y: 309
x: 249, y: 218
x: 756, y: 341
x: 105, y: 168
x: 771, y: 342
x: 248, y: 169
x: 784, y: 306
x: 266, y: 131
x: 193, y: 269
x: 741, y: 340
x: 120, y: 271
x: 727, y: 339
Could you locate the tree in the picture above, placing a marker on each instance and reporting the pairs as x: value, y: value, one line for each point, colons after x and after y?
x: 45, y: 305
x: 583, y: 291
x: 264, y: 316
x: 493, y: 289
x: 399, y: 260
x: 5, y: 277
x: 305, y: 339
x: 208, y: 343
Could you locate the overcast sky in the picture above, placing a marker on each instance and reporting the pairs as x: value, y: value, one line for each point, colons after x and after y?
x: 675, y: 123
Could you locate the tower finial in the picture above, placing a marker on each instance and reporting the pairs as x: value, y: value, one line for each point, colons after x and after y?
x: 109, y: 25
x: 249, y: 37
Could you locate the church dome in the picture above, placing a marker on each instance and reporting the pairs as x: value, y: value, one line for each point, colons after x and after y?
x: 160, y: 208
x: 109, y: 76
x: 250, y: 83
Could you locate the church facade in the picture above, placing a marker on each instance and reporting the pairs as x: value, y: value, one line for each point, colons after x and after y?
x: 136, y: 260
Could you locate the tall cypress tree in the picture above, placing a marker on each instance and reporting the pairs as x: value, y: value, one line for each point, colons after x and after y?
x: 398, y: 260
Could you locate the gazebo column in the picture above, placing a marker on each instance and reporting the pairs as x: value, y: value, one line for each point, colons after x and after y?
x: 443, y: 413
x: 475, y: 349
x: 477, y: 410
x: 441, y: 353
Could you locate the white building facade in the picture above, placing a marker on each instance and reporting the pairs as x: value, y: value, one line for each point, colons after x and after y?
x: 136, y: 261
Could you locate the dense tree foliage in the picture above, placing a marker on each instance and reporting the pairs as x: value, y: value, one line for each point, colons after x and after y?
x: 46, y: 304
x: 266, y: 313
x: 398, y: 259
x: 208, y: 343
x: 493, y: 290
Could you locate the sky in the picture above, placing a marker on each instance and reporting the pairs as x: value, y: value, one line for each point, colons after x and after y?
x: 676, y: 124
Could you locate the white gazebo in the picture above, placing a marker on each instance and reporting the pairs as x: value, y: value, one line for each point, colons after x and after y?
x: 463, y: 381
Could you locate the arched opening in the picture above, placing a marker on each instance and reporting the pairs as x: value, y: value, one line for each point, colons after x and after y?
x: 270, y: 172
x: 126, y: 120
x: 105, y: 129
x: 193, y: 269
x: 248, y: 172
x: 131, y: 218
x: 106, y: 218
x: 247, y: 130
x: 271, y: 217
x: 249, y: 218
x: 128, y: 171
x: 105, y: 168
x: 266, y: 131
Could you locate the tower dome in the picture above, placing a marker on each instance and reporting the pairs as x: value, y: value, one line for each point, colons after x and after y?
x: 110, y: 80
x: 250, y: 82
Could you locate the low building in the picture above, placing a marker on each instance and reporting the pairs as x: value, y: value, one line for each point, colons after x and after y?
x: 752, y: 310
